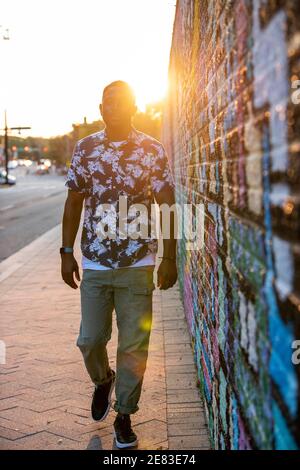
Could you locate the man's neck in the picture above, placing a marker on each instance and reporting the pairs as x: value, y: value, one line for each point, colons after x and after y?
x: 118, y: 134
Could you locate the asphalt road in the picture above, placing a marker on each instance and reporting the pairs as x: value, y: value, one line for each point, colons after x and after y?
x: 29, y: 208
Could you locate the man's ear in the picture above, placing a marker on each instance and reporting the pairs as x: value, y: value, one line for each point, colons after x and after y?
x: 100, y: 109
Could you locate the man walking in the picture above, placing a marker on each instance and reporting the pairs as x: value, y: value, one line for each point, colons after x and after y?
x: 109, y: 167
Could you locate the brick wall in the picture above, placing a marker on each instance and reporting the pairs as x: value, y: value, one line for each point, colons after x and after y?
x: 233, y: 135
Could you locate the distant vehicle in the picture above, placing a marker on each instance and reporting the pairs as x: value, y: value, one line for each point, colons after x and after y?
x: 24, y: 162
x: 42, y: 170
x: 12, y: 164
x: 11, y: 178
x: 46, y: 162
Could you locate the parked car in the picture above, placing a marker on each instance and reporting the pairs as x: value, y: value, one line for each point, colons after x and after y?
x: 42, y: 170
x: 24, y: 162
x: 11, y: 178
x: 46, y: 162
x: 12, y: 164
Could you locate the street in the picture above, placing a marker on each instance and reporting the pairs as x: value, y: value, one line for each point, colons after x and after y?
x: 29, y: 208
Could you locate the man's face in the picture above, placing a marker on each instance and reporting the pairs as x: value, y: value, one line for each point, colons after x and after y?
x: 117, y: 107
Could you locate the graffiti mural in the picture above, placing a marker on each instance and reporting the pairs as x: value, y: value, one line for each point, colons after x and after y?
x: 232, y: 129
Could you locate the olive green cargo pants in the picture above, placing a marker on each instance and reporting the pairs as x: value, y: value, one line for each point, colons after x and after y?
x: 128, y: 291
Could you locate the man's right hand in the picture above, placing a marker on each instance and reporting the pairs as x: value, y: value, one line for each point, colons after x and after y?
x: 69, y: 266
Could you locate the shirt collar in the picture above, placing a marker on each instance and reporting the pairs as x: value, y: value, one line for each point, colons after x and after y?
x: 132, y: 136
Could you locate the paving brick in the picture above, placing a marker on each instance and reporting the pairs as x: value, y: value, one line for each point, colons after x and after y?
x: 189, y: 442
x: 10, y: 433
x: 185, y: 429
x: 183, y: 396
x: 40, y: 440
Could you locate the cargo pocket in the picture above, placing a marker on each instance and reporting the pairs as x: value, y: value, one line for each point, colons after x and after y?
x: 140, y: 307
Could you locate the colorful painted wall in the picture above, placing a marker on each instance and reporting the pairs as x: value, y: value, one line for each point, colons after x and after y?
x: 232, y: 130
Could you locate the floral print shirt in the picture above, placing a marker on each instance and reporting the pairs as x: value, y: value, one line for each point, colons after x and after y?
x: 138, y: 169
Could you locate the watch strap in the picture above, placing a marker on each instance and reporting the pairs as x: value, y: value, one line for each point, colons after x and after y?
x: 66, y: 249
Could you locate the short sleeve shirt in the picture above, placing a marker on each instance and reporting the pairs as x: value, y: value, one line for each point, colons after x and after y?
x: 138, y: 169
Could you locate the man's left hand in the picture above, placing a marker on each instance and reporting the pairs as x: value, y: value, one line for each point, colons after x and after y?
x: 166, y: 274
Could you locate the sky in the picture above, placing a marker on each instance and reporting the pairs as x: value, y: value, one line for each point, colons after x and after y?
x: 62, y: 53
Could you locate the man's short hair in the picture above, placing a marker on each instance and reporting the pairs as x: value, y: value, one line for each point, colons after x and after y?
x: 121, y: 84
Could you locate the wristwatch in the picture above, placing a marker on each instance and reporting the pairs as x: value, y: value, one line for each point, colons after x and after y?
x: 65, y: 249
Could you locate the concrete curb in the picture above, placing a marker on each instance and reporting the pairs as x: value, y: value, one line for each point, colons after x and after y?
x: 21, y: 257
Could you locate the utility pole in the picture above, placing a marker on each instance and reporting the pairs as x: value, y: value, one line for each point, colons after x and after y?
x: 5, y: 37
x: 6, y: 129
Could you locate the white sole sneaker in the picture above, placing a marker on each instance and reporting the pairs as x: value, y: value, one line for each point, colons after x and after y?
x: 121, y: 445
x: 109, y: 402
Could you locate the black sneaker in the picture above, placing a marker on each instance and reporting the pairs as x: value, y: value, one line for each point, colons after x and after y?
x: 102, y: 399
x: 124, y: 435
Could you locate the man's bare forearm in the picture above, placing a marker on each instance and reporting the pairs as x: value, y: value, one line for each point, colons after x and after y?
x: 169, y: 244
x: 168, y: 231
x: 71, y: 221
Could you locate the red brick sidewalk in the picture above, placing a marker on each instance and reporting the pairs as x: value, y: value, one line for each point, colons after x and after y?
x: 45, y: 391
